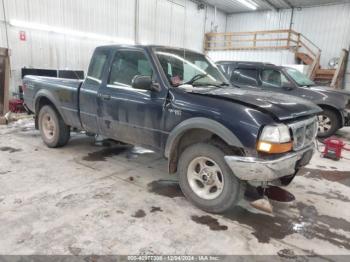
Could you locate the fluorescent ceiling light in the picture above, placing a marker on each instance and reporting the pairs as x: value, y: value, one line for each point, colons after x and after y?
x: 69, y: 32
x: 247, y: 4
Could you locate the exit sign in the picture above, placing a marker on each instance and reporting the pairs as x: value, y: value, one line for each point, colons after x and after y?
x: 22, y: 36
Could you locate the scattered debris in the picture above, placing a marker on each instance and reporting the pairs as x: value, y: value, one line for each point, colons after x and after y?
x: 287, y: 253
x: 74, y: 250
x: 262, y: 204
x: 17, y: 201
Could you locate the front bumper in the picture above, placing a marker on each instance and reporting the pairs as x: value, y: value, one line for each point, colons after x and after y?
x: 255, y: 169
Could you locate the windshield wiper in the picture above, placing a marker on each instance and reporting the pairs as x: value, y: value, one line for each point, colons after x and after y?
x: 194, y: 79
x: 211, y: 84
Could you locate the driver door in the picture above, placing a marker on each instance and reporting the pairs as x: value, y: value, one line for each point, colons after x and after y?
x: 127, y: 114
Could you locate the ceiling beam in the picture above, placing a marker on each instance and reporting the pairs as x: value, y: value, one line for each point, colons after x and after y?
x: 286, y: 2
x: 270, y: 5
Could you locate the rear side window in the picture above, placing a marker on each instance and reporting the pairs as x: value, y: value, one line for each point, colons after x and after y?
x: 126, y: 65
x: 273, y: 78
x: 96, y: 67
x: 245, y: 76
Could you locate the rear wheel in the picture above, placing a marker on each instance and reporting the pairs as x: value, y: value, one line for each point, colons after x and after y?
x: 54, y: 132
x: 206, y: 180
x: 328, y: 123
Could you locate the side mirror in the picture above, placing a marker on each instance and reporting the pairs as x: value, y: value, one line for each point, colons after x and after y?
x: 144, y: 83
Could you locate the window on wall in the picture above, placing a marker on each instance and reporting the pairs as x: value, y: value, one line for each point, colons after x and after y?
x: 126, y: 65
x: 96, y: 66
x: 245, y: 76
x: 273, y: 78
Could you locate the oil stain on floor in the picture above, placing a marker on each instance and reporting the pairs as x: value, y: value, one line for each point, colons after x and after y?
x: 156, y: 209
x: 342, y: 177
x: 139, y: 213
x: 10, y: 149
x: 168, y: 188
x: 103, y: 154
x: 266, y: 227
x: 113, y: 149
x: 209, y: 221
x: 308, y: 223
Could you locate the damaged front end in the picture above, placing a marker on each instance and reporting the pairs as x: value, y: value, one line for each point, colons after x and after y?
x: 277, y: 168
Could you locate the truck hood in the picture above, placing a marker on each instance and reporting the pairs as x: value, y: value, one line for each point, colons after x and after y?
x: 320, y: 94
x: 283, y: 107
x: 330, y: 90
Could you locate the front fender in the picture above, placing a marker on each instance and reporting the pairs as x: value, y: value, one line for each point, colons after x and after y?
x: 200, y: 123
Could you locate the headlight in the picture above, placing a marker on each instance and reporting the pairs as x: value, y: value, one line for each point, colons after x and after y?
x: 275, y: 139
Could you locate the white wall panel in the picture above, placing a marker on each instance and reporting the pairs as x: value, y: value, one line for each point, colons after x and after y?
x: 2, y: 27
x: 215, y: 23
x: 175, y: 23
x: 168, y: 22
x: 279, y: 58
x: 258, y: 21
x: 327, y: 26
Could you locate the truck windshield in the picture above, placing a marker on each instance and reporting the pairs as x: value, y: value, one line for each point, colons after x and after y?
x: 185, y: 67
x: 299, y: 78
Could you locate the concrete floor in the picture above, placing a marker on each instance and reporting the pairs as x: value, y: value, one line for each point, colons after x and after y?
x: 90, y: 199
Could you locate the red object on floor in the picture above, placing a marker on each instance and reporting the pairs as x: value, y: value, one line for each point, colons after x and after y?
x: 333, y: 148
x: 16, y: 106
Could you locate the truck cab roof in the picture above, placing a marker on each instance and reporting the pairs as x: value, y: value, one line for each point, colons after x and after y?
x: 248, y: 64
x: 128, y: 46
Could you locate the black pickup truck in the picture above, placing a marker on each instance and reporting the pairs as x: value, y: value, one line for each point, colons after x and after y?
x: 177, y: 102
x: 268, y: 77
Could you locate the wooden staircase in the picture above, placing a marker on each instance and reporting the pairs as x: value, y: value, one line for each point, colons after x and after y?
x: 306, y: 52
x: 323, y: 76
x: 304, y: 58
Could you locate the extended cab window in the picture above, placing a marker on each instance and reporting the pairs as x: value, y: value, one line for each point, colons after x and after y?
x: 245, y: 76
x: 96, y: 67
x: 126, y: 65
x: 273, y: 78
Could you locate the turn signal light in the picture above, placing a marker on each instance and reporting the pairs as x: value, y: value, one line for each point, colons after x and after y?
x: 274, y: 148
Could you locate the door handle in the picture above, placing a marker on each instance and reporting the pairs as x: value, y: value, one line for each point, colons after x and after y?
x: 105, y: 97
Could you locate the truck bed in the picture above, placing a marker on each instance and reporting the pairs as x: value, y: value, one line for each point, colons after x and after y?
x: 64, y: 93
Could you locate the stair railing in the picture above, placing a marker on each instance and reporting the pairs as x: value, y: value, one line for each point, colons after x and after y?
x: 287, y: 39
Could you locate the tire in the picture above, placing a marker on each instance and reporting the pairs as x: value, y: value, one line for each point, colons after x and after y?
x: 209, y: 157
x: 328, y: 123
x: 53, y: 130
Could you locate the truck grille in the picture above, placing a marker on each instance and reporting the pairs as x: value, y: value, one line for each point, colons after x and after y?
x: 304, y: 133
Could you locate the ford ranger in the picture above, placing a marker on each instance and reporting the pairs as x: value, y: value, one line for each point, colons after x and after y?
x: 175, y: 101
x: 268, y: 77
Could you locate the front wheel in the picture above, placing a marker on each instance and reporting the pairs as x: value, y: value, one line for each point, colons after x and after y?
x: 206, y: 180
x: 328, y: 123
x: 54, y: 132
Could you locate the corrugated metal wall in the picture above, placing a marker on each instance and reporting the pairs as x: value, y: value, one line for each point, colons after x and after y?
x: 327, y: 26
x: 168, y: 22
x: 280, y: 58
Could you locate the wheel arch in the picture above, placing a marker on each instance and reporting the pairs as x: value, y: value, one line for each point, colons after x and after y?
x: 197, y: 130
x: 335, y: 110
x: 45, y: 98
